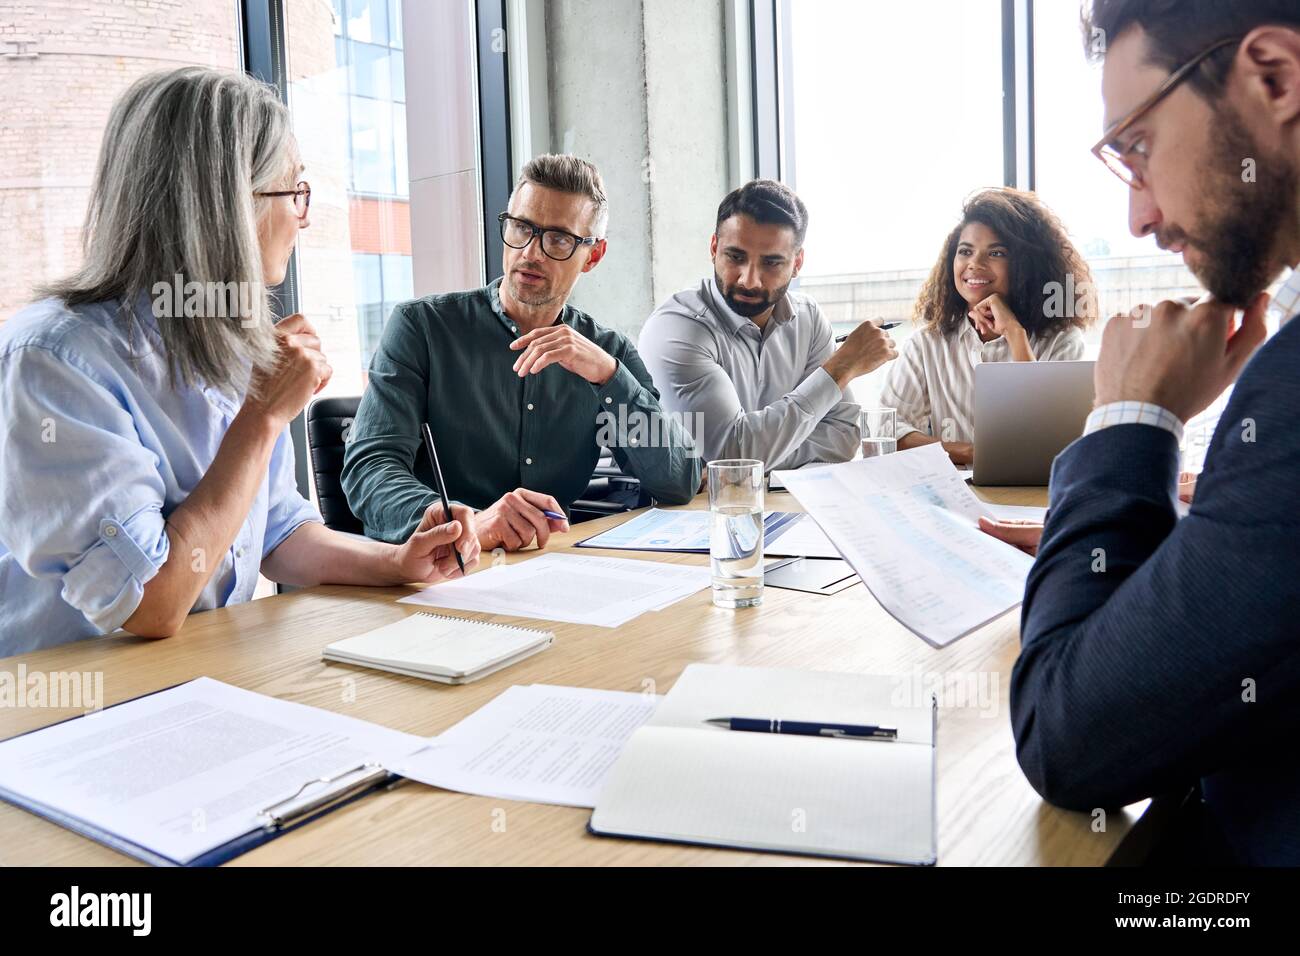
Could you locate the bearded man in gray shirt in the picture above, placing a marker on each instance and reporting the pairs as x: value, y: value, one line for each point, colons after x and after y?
x: 752, y: 364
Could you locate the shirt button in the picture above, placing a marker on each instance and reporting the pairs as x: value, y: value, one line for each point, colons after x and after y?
x: 111, y: 531
x: 608, y: 400
x: 528, y: 461
x: 239, y: 552
x: 530, y: 406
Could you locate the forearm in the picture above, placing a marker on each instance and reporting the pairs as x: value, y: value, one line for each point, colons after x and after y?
x: 662, y: 455
x: 1018, y: 341
x: 836, y: 438
x: 841, y: 368
x: 1090, y: 629
x: 915, y: 440
x: 382, y: 489
x: 203, y: 527
x: 774, y: 433
x: 314, y: 554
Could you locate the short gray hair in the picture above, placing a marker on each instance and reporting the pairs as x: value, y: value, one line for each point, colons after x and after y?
x: 182, y: 155
x: 567, y: 173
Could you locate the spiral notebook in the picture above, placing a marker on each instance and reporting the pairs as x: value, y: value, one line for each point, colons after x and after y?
x: 450, y: 650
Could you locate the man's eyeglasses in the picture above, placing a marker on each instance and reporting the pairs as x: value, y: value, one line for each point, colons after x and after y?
x: 301, y: 198
x: 1108, y: 149
x: 556, y: 243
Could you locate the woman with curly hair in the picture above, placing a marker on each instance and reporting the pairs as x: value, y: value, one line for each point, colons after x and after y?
x: 1008, y: 287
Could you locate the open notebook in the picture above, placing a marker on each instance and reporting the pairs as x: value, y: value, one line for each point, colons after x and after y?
x: 447, y: 649
x: 682, y: 780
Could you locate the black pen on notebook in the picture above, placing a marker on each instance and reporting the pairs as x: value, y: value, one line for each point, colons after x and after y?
x: 765, y: 725
x: 442, y: 487
x: 884, y: 327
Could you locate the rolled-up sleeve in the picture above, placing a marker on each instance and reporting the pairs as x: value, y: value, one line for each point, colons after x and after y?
x: 669, y: 469
x: 287, y: 509
x: 81, y: 498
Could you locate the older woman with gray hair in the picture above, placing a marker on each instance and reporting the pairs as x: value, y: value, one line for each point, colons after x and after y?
x: 145, y: 465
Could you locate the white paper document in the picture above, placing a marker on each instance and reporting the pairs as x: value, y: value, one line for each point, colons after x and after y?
x: 803, y: 539
x: 604, y: 592
x: 908, y: 525
x: 1017, y: 512
x: 677, y: 531
x: 680, y: 778
x: 186, y: 770
x: 535, y: 743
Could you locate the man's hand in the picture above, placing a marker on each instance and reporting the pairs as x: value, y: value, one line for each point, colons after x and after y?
x: 1025, y: 535
x: 1177, y: 356
x: 429, y: 554
x: 993, y: 317
x: 516, y: 519
x: 865, y: 350
x: 300, y: 371
x: 561, y: 345
x: 962, y: 453
x: 1187, y: 486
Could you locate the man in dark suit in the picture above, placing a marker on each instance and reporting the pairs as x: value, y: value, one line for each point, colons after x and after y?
x: 1157, y: 652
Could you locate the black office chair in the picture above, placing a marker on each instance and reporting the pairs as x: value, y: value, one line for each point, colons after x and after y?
x: 609, y: 492
x: 327, y: 420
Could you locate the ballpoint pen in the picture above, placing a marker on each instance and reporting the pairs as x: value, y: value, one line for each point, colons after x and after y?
x: 762, y: 725
x: 442, y: 488
x: 554, y: 514
x: 884, y: 327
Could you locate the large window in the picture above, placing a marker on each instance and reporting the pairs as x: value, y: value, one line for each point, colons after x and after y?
x: 897, y: 117
x: 1090, y: 200
x: 347, y: 91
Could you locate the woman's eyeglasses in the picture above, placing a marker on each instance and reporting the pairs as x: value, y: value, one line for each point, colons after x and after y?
x: 301, y: 198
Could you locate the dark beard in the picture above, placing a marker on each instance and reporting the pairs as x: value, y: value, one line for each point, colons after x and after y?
x: 748, y: 309
x: 1237, y: 232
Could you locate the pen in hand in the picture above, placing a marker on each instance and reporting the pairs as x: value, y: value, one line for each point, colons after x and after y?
x: 884, y: 327
x: 442, y: 487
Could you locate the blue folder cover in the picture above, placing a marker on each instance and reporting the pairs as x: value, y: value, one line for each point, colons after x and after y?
x: 214, y: 857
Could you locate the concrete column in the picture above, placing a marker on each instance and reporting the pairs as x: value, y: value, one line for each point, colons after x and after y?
x: 442, y: 144
x: 638, y: 87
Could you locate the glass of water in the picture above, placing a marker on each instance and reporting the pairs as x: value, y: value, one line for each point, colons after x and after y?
x: 879, y: 431
x: 736, y: 531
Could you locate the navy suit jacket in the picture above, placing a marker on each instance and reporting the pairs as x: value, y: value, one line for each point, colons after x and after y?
x: 1181, y: 659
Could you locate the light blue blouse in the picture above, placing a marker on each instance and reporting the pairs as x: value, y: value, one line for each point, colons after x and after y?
x: 96, y: 450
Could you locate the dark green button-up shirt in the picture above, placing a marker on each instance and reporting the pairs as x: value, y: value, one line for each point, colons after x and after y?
x: 445, y: 359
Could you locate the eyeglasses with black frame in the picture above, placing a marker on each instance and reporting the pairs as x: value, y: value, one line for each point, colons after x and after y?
x: 1108, y: 149
x: 557, y: 244
x: 301, y: 197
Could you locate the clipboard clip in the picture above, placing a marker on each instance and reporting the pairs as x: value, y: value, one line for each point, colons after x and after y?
x: 278, y: 818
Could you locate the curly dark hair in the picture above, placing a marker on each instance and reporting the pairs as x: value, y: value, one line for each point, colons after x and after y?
x: 1041, y: 256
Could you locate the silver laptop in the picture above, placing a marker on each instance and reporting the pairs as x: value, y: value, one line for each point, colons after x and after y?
x: 1025, y: 414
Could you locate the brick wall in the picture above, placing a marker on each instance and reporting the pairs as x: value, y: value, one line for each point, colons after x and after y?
x: 54, y: 106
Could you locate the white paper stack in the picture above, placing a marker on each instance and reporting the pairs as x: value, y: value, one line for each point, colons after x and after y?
x: 603, y: 592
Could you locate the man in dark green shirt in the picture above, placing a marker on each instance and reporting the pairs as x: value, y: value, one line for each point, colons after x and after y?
x: 519, y: 389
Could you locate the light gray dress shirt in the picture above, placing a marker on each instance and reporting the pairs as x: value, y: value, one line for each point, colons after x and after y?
x: 749, y: 392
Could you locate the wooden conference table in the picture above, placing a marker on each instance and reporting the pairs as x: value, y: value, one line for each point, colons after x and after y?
x: 988, y: 814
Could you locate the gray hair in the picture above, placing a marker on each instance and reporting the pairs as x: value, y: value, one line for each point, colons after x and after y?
x: 182, y: 155
x: 567, y: 173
